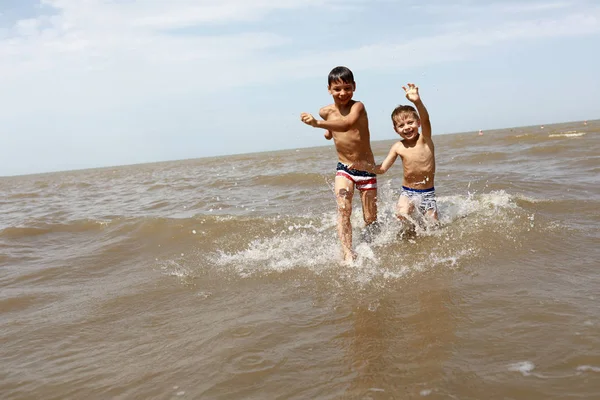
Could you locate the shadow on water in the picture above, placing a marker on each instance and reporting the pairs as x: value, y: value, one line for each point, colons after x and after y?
x: 400, y: 342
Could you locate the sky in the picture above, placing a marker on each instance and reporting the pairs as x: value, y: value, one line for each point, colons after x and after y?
x: 93, y: 83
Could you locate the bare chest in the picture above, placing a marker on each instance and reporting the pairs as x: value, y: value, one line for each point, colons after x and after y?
x: 420, y: 153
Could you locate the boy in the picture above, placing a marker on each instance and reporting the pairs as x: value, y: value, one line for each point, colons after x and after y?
x: 418, y: 158
x: 346, y: 122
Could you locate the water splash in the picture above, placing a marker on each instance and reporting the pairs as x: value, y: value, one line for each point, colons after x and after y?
x: 391, y: 253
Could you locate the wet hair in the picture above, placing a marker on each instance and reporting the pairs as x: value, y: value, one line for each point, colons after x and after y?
x: 340, y: 74
x: 404, y: 110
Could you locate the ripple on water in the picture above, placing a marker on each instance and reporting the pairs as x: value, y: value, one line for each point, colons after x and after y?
x: 255, y: 361
x: 242, y: 331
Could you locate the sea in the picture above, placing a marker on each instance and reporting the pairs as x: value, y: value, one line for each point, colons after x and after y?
x: 220, y: 278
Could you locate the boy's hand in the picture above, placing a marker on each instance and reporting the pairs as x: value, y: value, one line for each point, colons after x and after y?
x: 328, y: 135
x: 412, y: 92
x: 308, y: 119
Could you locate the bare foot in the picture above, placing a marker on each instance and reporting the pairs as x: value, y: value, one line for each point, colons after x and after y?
x: 349, y: 256
x: 432, y: 226
x: 407, y: 224
x: 369, y: 232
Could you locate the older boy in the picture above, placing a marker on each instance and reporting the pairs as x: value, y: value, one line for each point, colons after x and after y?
x: 418, y: 158
x: 346, y: 122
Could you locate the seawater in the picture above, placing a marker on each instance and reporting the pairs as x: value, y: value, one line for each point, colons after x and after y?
x: 220, y: 278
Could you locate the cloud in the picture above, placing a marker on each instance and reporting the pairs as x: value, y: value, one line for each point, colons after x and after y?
x: 92, y: 55
x: 482, y: 8
x: 108, y: 63
x: 444, y: 47
x: 95, y: 39
x: 172, y: 14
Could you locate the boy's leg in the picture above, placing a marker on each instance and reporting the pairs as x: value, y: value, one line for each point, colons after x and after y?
x: 344, y: 190
x: 369, y: 208
x: 404, y: 208
x: 432, y: 215
x: 369, y: 205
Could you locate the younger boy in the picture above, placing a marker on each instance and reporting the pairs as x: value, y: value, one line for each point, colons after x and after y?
x: 418, y: 158
x: 346, y: 122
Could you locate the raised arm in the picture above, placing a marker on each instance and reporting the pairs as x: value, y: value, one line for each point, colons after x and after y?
x: 339, y: 125
x: 412, y: 94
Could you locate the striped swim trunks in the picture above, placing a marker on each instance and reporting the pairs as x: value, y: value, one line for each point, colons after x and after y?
x: 362, y: 179
x: 424, y: 199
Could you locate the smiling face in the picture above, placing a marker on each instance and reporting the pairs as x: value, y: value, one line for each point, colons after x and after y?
x: 342, y: 92
x: 407, y: 125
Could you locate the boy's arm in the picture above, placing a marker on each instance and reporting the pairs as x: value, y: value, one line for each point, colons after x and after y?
x: 377, y: 169
x: 340, y: 125
x: 323, y: 113
x: 424, y: 117
x: 412, y: 94
x: 388, y: 162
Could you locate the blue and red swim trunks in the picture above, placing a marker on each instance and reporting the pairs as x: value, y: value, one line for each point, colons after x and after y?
x: 362, y: 179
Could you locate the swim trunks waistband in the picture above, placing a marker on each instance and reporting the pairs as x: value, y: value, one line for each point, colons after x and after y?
x: 418, y: 190
x: 356, y: 172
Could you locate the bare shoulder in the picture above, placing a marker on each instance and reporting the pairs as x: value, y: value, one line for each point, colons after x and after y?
x: 324, y: 111
x: 399, y: 145
x: 358, y: 105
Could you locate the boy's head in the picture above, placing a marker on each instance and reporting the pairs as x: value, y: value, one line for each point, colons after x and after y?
x: 406, y: 122
x: 341, y: 85
x: 340, y: 74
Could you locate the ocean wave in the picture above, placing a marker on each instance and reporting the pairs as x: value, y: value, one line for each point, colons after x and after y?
x: 568, y: 134
x: 524, y: 137
x: 24, y: 195
x: 42, y: 228
x: 75, y: 185
x: 290, y: 179
x: 545, y: 149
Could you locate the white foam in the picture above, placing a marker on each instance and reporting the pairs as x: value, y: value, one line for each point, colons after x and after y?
x: 283, y: 252
x: 587, y: 368
x: 173, y: 268
x: 567, y: 134
x: 315, y: 245
x: 524, y: 367
x: 455, y: 207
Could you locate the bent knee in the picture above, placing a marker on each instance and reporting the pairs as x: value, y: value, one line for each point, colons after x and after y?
x: 404, y: 209
x: 344, y: 210
x: 344, y: 194
x: 344, y: 201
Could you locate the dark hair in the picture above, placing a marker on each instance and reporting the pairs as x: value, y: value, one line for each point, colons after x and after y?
x: 340, y: 74
x: 405, y: 110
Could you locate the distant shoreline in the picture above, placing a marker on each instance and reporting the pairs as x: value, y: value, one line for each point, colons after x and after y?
x: 487, y: 131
